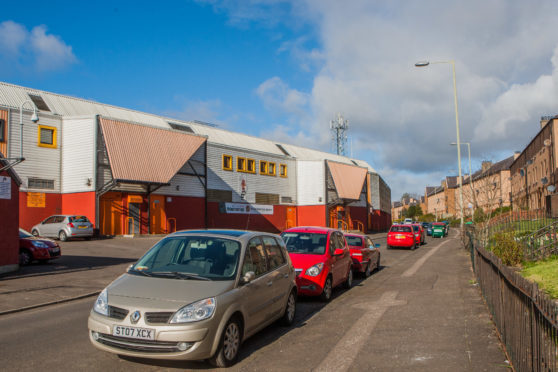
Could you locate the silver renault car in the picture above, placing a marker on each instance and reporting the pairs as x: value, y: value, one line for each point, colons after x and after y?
x: 196, y: 295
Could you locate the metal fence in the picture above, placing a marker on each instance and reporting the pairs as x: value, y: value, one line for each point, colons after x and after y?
x: 526, y: 318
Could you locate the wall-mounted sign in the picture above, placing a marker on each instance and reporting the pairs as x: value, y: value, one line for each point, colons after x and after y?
x: 5, y: 187
x: 36, y: 199
x: 242, y: 208
x: 135, y: 199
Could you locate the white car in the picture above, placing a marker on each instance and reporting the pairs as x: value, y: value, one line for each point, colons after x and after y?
x: 408, y: 221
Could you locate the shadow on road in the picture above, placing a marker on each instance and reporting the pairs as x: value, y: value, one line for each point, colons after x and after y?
x: 66, y: 263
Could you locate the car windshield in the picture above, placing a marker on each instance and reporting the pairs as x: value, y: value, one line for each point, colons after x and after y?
x: 78, y: 219
x: 307, y: 243
x: 355, y: 241
x: 400, y: 229
x: 24, y: 234
x: 190, y: 257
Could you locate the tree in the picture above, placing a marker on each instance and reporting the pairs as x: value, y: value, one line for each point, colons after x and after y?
x: 414, y: 211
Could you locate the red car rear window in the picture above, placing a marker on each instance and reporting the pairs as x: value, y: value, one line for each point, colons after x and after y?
x: 398, y: 228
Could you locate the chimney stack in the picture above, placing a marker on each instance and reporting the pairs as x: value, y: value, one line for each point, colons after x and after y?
x: 516, y: 155
x: 486, y: 165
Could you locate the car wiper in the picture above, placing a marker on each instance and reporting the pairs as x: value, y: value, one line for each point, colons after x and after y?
x: 180, y: 275
x: 140, y: 272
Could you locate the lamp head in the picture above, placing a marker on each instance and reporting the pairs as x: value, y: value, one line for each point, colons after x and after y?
x: 422, y: 64
x: 34, y: 117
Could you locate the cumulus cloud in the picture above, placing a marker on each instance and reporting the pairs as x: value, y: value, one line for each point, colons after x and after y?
x: 36, y: 49
x: 506, y: 75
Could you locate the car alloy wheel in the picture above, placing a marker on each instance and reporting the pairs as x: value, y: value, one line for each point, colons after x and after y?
x: 231, y: 342
x: 25, y: 257
x: 290, y: 310
x: 326, y: 293
x: 367, y: 272
x: 349, y: 281
x: 62, y: 236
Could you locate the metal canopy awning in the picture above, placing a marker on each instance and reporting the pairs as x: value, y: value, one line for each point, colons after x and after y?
x: 348, y: 179
x: 146, y: 155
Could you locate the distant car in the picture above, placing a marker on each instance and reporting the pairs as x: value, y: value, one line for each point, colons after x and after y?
x: 401, y: 236
x: 64, y: 227
x: 428, y: 227
x: 438, y: 230
x: 32, y: 248
x: 407, y: 221
x: 447, y: 223
x: 321, y: 259
x: 196, y: 295
x: 420, y: 234
x: 364, y: 253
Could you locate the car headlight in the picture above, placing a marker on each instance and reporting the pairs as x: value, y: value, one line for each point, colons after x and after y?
x: 39, y: 244
x: 195, y: 312
x: 315, y: 270
x: 101, y: 305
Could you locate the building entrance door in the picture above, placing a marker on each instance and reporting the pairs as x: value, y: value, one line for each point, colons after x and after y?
x: 291, y: 217
x: 157, y: 215
x: 134, y: 218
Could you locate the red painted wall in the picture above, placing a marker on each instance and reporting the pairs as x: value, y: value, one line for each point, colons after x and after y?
x: 311, y: 215
x: 258, y: 222
x: 30, y: 216
x: 381, y: 221
x: 9, y: 218
x: 80, y: 203
x: 189, y: 212
x: 359, y: 214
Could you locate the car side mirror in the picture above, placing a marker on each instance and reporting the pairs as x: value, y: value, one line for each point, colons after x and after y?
x: 248, y: 277
x: 338, y: 252
x: 129, y: 268
x: 377, y: 245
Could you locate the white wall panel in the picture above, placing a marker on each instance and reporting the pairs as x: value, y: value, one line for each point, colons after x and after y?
x: 40, y: 162
x: 78, y: 154
x: 311, y: 182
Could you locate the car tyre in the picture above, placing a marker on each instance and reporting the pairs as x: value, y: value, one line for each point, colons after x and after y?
x: 367, y: 272
x: 34, y: 232
x: 326, y: 292
x: 290, y: 310
x: 413, y: 247
x: 378, y: 264
x: 227, y: 353
x: 62, y: 236
x: 25, y: 257
x: 349, y: 281
x: 389, y: 247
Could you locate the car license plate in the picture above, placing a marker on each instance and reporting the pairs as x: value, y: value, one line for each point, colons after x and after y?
x: 134, y: 332
x: 82, y: 227
x: 55, y: 250
x: 399, y: 236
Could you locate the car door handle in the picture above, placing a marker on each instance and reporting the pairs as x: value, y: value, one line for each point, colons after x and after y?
x: 286, y: 276
x: 269, y: 284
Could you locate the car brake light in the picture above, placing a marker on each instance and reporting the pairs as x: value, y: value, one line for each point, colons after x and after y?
x: 71, y: 224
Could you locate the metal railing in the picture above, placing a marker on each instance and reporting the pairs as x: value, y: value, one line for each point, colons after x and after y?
x: 542, y: 243
x: 359, y: 225
x: 526, y: 318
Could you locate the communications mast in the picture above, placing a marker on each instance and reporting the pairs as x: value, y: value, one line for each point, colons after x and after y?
x: 339, y: 128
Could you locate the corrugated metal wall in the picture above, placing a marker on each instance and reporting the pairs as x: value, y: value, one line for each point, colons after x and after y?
x: 311, y: 178
x: 78, y: 154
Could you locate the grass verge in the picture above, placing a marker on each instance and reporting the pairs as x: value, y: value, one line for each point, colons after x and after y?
x: 544, y: 273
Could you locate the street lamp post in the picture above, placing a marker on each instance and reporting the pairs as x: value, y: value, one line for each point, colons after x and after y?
x: 34, y: 119
x: 470, y: 171
x: 452, y: 63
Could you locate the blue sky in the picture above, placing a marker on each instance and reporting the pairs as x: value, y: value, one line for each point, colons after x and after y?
x: 283, y: 69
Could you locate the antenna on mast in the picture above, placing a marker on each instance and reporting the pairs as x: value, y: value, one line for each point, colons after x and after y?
x: 339, y: 128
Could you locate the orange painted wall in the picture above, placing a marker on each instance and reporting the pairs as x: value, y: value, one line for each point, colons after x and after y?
x: 80, y: 203
x: 9, y: 238
x: 30, y: 216
x: 311, y: 215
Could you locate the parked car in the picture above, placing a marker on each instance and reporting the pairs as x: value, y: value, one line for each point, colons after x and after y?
x: 364, y: 253
x: 64, y: 227
x: 196, y: 295
x: 401, y: 236
x: 407, y: 221
x: 420, y: 234
x: 438, y: 230
x: 447, y: 223
x: 321, y: 258
x: 428, y: 227
x: 32, y: 249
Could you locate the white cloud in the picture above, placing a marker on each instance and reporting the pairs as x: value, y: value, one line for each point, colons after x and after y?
x: 506, y: 77
x: 33, y: 49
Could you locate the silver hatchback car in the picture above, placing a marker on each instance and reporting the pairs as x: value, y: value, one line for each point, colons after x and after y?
x: 196, y: 295
x: 64, y: 227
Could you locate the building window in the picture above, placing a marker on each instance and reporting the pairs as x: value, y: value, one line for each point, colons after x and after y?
x: 241, y: 164
x: 271, y: 169
x: 283, y: 170
x: 227, y: 162
x: 250, y: 166
x: 47, y: 136
x: 39, y: 183
x: 263, y: 167
x: 2, y: 130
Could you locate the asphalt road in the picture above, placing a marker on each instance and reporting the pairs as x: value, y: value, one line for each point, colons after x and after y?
x: 420, y: 312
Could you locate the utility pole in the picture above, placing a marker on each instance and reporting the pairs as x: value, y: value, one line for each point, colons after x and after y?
x: 339, y: 128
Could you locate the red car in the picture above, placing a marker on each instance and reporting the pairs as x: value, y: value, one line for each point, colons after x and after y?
x: 32, y: 248
x: 321, y: 258
x: 420, y: 234
x: 364, y: 253
x: 401, y: 236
